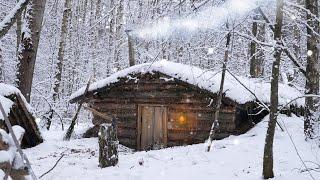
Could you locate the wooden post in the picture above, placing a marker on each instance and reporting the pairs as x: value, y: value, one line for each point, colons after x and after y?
x: 74, y: 119
x: 215, y: 125
x: 108, y: 145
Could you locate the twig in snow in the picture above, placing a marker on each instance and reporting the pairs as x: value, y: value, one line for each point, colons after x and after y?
x: 52, y: 167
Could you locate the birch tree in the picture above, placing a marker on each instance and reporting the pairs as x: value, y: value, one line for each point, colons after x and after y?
x: 256, y: 53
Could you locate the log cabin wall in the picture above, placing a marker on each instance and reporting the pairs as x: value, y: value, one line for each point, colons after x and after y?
x: 181, y: 99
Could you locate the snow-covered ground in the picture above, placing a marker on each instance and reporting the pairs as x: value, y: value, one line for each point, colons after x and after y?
x: 236, y: 157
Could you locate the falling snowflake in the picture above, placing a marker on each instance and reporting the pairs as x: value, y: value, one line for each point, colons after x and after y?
x: 210, y: 51
x: 115, y: 69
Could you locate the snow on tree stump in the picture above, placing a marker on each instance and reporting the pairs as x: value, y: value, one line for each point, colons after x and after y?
x: 108, y: 146
x: 11, y: 163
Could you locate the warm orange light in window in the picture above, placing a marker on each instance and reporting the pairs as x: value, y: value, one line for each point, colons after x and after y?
x: 182, y: 119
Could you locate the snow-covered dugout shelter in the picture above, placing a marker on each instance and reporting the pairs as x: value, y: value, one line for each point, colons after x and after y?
x: 164, y: 103
x: 19, y: 113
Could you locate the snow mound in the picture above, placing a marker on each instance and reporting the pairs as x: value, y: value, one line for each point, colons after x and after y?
x: 204, y: 79
x: 7, y: 156
x: 7, y: 90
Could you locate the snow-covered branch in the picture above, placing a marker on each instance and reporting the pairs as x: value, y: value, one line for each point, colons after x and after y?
x: 300, y: 97
x: 287, y: 52
x: 10, y: 19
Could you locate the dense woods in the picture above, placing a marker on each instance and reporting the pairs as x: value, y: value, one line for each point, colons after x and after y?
x: 49, y: 49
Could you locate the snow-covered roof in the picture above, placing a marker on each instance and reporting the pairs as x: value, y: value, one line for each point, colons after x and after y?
x: 5, y: 91
x: 204, y: 79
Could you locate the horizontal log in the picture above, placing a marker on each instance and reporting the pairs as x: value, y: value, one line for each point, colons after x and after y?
x: 131, y: 143
x: 121, y: 122
x: 180, y: 136
x: 130, y: 103
x: 107, y: 105
x: 140, y: 87
x: 183, y: 142
x: 128, y: 125
x: 127, y: 133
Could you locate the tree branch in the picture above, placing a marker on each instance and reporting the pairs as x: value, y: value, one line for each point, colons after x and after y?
x: 73, y: 121
x: 52, y: 167
x: 285, y: 49
x: 11, y: 18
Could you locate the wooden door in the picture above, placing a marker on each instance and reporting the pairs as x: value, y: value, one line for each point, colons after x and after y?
x: 152, y: 126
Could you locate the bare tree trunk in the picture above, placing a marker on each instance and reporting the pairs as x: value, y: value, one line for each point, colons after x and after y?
x: 96, y: 36
x: 268, y: 148
x: 117, y: 33
x: 297, y: 36
x: 312, y: 83
x: 1, y: 65
x: 130, y: 49
x: 256, y: 53
x: 215, y: 125
x: 29, y: 46
x: 18, y: 31
x: 111, y: 38
x: 84, y: 15
x: 296, y: 46
x: 62, y: 46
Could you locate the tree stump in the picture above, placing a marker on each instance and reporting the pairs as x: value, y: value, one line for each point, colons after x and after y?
x: 108, y: 146
x: 14, y: 166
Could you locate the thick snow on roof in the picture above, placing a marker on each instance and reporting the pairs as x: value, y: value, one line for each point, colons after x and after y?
x: 204, y: 79
x: 7, y: 90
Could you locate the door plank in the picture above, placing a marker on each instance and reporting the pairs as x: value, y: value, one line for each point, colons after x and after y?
x: 152, y: 127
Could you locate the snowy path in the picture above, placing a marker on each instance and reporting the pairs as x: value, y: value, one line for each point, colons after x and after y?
x: 236, y: 157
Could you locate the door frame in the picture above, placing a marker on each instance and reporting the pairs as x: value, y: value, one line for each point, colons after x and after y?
x: 139, y: 125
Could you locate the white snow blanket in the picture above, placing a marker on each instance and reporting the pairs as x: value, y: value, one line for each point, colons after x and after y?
x: 233, y: 158
x: 204, y: 79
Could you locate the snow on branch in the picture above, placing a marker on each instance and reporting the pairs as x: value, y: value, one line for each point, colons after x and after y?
x: 289, y: 54
x: 10, y: 19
